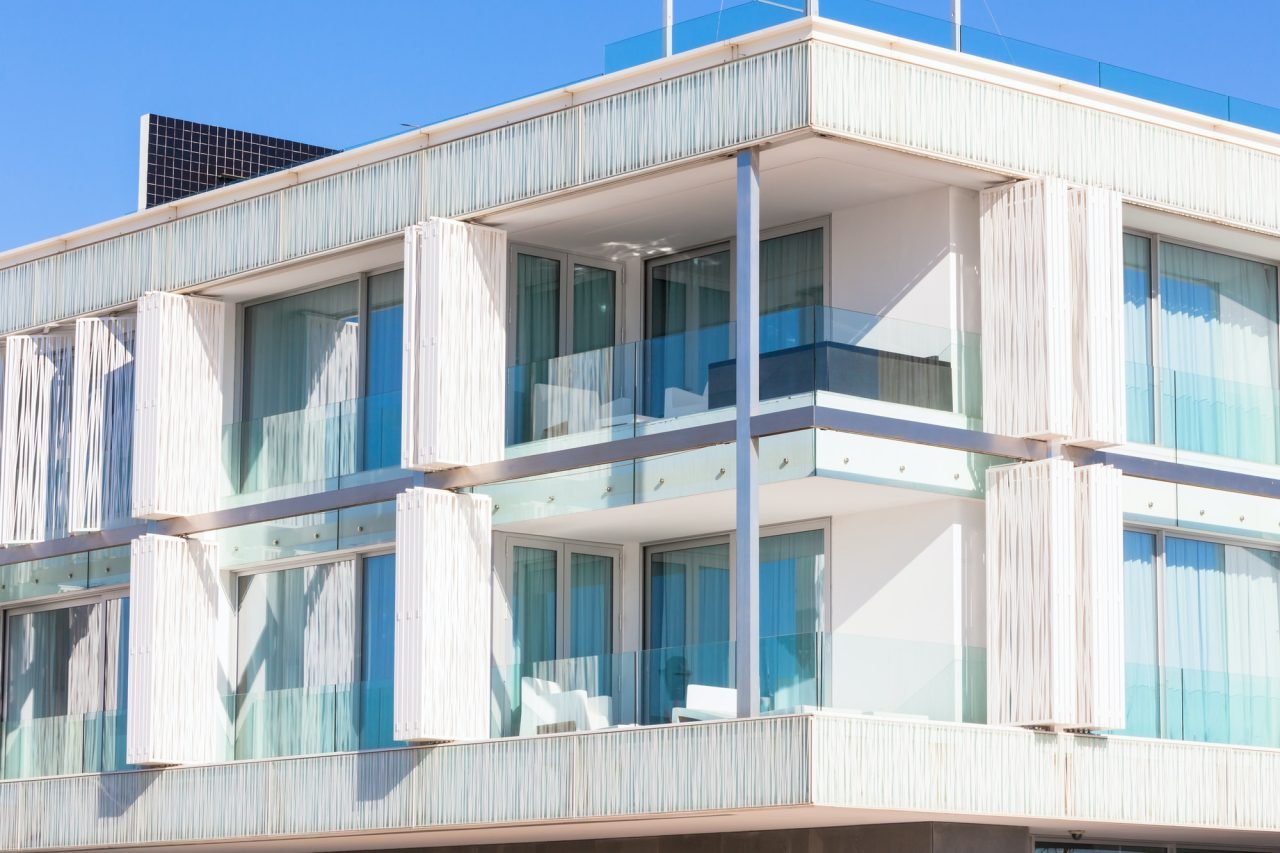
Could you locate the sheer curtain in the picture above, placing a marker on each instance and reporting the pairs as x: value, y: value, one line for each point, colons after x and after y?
x: 790, y: 288
x: 533, y: 605
x: 688, y: 625
x: 688, y: 329
x: 1140, y: 412
x: 594, y: 292
x: 1142, y: 662
x: 791, y: 572
x: 590, y: 604
x: 1219, y: 335
x: 1222, y: 636
x: 301, y: 372
x: 383, y: 370
x: 64, y: 677
x: 298, y: 654
x: 537, y: 341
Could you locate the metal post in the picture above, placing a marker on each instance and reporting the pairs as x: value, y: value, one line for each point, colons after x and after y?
x: 747, y: 555
x: 668, y: 23
x: 811, y: 8
x: 955, y: 22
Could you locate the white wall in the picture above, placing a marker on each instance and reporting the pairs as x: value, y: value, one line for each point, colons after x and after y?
x: 907, y: 597
x: 912, y: 258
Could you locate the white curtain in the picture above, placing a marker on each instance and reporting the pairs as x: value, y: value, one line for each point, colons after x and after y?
x: 1219, y: 336
x: 298, y: 659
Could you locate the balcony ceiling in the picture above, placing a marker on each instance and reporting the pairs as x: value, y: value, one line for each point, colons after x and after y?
x: 694, y: 205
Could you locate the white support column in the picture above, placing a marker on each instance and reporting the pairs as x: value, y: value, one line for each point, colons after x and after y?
x: 33, y: 441
x: 180, y: 653
x: 444, y: 568
x: 747, y: 553
x: 1100, y: 597
x: 177, y: 438
x: 102, y: 423
x: 454, y: 345
x: 1026, y: 310
x: 1031, y: 594
x: 1097, y: 285
x: 668, y: 26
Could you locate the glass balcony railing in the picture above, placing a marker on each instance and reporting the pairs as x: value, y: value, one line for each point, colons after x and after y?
x: 312, y: 720
x: 745, y: 17
x: 859, y: 674
x: 322, y: 447
x: 687, y: 378
x: 60, y: 745
x: 1194, y: 413
x: 1206, y: 705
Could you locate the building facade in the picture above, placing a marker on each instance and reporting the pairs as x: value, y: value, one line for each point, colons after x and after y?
x: 816, y: 440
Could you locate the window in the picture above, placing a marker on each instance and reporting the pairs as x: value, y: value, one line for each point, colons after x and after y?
x: 322, y: 383
x: 65, y: 688
x: 689, y: 619
x: 1202, y: 635
x: 689, y: 311
x: 315, y: 657
x: 1209, y: 383
x: 562, y: 599
x: 561, y: 335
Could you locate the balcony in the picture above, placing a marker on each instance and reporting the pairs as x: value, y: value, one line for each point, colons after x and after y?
x: 808, y: 356
x: 799, y: 673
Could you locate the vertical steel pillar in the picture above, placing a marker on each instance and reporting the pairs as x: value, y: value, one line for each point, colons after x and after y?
x: 955, y: 22
x: 811, y: 7
x: 668, y: 23
x: 747, y: 555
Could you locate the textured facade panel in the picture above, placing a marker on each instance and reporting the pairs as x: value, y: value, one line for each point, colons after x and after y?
x: 102, y: 423
x: 443, y: 575
x: 180, y: 653
x: 1100, y: 597
x: 177, y: 438
x: 1032, y: 668
x: 454, y: 377
x: 1097, y: 285
x: 988, y: 124
x: 1026, y: 309
x: 34, y: 458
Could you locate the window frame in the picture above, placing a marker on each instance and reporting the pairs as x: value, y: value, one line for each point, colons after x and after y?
x: 1155, y: 240
x: 731, y: 537
x: 563, y: 548
x: 567, y: 261
x: 1161, y: 534
x: 820, y: 223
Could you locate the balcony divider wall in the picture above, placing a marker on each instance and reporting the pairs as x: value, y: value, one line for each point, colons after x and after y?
x: 102, y: 423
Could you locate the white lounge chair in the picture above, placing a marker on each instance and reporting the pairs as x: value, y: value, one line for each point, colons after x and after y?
x: 546, y: 707
x: 703, y: 702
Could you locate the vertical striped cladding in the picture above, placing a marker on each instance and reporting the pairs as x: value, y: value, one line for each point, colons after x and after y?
x: 1031, y: 594
x: 740, y: 764
x: 1026, y: 309
x: 948, y: 114
x: 700, y: 113
x: 454, y: 378
x: 443, y: 570
x: 180, y: 647
x: 177, y: 439
x: 688, y: 116
x: 1097, y: 288
x: 1100, y: 597
x: 34, y: 458
x: 102, y: 423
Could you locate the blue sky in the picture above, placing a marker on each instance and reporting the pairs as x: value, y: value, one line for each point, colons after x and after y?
x: 75, y: 76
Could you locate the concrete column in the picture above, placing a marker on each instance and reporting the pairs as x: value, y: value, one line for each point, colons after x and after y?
x: 747, y: 558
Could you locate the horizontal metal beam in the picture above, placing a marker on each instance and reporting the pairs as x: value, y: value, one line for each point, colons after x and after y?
x: 644, y: 446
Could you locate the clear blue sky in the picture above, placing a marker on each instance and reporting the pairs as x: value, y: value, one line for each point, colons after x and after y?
x: 75, y: 76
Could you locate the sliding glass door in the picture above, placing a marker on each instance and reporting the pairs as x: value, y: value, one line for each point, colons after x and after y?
x: 565, y: 376
x: 1202, y: 640
x: 315, y: 658
x: 65, y: 687
x: 689, y: 634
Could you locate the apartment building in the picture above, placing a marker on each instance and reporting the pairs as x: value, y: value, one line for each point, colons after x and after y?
x: 817, y: 439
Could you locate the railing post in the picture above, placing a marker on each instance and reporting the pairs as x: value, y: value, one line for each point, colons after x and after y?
x: 668, y: 22
x: 747, y: 556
